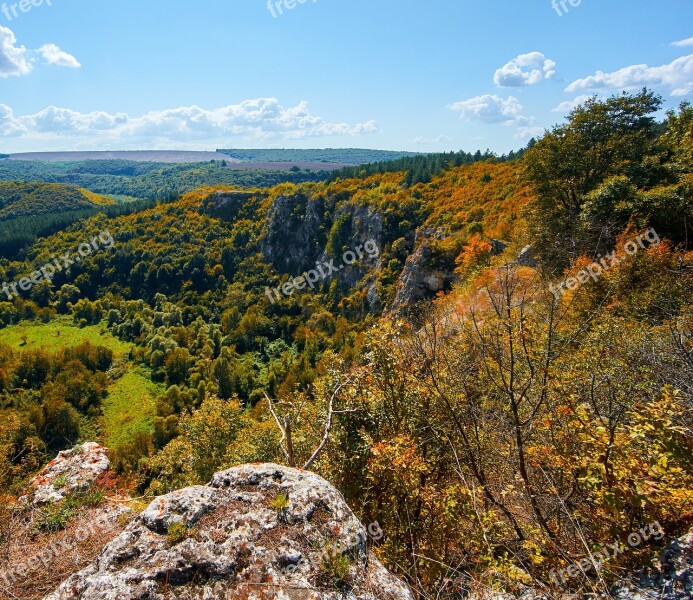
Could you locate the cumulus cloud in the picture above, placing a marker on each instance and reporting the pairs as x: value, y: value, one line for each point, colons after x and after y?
x: 262, y: 118
x: 13, y: 59
x: 53, y: 55
x: 683, y: 43
x: 9, y: 126
x: 64, y: 120
x: 568, y: 105
x: 491, y: 109
x: 526, y: 69
x: 18, y: 60
x: 677, y: 76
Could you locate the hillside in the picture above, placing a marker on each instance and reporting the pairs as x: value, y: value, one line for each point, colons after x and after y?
x: 33, y: 199
x: 148, y: 180
x: 155, y: 156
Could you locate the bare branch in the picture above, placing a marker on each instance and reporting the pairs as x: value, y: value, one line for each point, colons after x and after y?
x: 328, y: 427
x: 281, y: 428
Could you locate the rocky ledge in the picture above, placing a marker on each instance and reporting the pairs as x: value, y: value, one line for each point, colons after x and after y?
x: 255, y: 532
x: 72, y: 471
x: 670, y: 578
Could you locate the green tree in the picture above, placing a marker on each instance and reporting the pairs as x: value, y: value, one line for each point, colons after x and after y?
x: 601, y: 140
x: 178, y: 366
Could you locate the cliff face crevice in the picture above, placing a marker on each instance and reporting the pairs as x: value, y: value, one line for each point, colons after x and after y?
x: 256, y: 531
x: 297, y: 227
x: 424, y: 273
x: 305, y: 231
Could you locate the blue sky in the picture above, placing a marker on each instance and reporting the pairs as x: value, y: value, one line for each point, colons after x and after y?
x: 392, y: 74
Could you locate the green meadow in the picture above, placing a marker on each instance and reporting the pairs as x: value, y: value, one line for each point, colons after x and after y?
x: 130, y: 406
x: 60, y: 333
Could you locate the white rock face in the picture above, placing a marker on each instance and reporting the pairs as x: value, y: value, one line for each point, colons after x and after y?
x: 255, y: 532
x: 71, y: 471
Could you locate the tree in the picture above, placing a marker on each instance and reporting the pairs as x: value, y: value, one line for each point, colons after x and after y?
x: 178, y: 366
x: 32, y: 369
x: 206, y: 438
x: 61, y: 425
x: 602, y: 139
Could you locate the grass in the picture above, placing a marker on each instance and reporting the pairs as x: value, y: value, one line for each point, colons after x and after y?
x: 335, y: 565
x: 177, y: 532
x: 55, y: 517
x: 60, y: 333
x: 280, y: 502
x: 129, y: 407
x: 131, y: 402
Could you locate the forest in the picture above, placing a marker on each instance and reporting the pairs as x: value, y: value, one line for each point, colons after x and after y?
x: 145, y: 180
x: 496, y: 431
x: 346, y: 156
x: 420, y: 169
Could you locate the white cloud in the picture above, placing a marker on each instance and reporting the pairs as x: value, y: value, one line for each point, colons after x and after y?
x: 262, y: 118
x: 17, y: 60
x: 568, y: 105
x: 441, y: 139
x: 491, y: 109
x: 677, y: 76
x: 683, y: 43
x: 526, y: 69
x: 13, y: 58
x: 526, y: 133
x: 9, y: 126
x: 64, y: 120
x: 53, y: 55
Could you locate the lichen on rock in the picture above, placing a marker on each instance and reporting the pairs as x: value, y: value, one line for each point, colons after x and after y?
x: 72, y: 471
x: 233, y: 539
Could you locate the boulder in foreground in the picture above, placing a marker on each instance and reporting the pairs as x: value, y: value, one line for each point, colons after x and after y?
x: 256, y: 531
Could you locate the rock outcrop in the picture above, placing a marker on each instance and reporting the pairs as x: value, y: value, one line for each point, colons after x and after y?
x: 497, y: 247
x: 295, y: 236
x: 256, y: 531
x: 70, y: 472
x: 423, y: 275
x: 670, y: 579
x: 226, y: 204
x: 526, y: 257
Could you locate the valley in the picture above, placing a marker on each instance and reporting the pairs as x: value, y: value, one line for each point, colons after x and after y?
x: 431, y: 366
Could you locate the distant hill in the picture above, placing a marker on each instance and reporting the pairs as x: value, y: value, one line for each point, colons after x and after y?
x: 149, y: 180
x: 159, y: 156
x: 31, y: 199
x: 29, y: 210
x: 343, y: 156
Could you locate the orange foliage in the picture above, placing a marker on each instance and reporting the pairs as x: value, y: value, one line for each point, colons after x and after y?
x: 475, y: 253
x: 492, y: 194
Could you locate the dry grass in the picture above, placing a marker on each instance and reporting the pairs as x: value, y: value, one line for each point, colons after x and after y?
x: 40, y: 562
